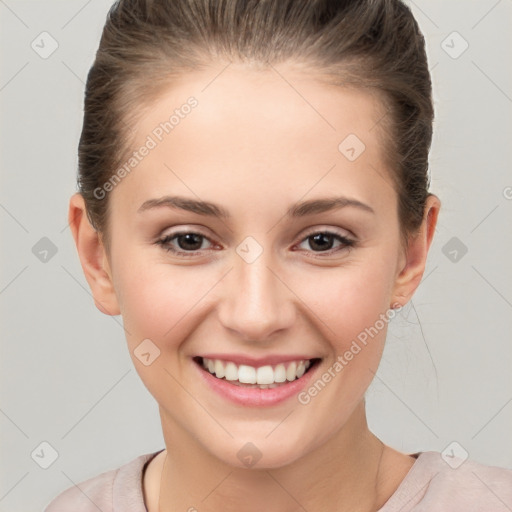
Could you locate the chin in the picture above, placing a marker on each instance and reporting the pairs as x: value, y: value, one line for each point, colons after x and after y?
x: 259, y: 452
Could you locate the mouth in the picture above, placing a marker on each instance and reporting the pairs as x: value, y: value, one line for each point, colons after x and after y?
x: 262, y: 377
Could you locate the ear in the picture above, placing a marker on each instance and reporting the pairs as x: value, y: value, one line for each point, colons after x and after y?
x: 93, y: 257
x: 414, y: 260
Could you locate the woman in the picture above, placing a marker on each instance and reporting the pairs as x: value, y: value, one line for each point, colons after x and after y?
x: 254, y: 201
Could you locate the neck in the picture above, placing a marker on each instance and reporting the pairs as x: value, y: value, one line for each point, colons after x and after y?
x: 339, y: 475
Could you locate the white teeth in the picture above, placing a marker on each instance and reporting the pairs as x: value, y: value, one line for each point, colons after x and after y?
x: 301, y: 369
x: 264, y: 377
x: 291, y: 371
x: 219, y: 369
x: 247, y: 374
x: 280, y: 373
x: 231, y: 372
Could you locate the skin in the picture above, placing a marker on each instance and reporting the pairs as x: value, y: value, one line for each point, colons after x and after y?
x: 255, y: 146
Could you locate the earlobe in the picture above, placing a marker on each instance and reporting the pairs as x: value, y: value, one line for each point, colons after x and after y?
x: 409, y: 276
x: 92, y: 257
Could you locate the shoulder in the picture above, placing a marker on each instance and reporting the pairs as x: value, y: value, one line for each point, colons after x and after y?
x: 452, y: 484
x: 108, y: 491
x: 472, y: 485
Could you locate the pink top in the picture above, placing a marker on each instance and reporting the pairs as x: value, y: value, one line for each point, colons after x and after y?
x: 430, y: 485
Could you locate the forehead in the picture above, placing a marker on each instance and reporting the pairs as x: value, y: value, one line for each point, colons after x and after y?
x: 243, y: 99
x: 246, y: 129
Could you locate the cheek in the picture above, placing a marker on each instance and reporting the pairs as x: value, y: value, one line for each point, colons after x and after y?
x: 349, y: 300
x: 160, y: 304
x: 158, y: 301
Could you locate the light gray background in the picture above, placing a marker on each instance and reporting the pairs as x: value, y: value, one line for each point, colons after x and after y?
x: 66, y: 375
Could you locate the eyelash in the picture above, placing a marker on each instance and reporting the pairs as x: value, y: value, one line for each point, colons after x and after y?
x: 165, y: 243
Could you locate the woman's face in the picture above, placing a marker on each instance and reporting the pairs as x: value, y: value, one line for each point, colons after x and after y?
x: 256, y: 282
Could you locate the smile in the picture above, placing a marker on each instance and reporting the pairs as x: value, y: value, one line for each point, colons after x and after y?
x: 262, y: 377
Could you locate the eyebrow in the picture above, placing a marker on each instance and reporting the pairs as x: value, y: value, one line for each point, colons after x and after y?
x: 297, y: 210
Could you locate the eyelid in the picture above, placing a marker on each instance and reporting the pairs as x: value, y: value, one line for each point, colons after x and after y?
x: 184, y: 228
x: 344, y: 233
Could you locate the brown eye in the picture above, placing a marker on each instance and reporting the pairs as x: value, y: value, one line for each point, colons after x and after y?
x: 185, y: 242
x: 189, y: 241
x: 323, y: 241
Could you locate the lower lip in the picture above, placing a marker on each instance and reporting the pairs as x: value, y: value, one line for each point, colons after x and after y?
x: 256, y: 397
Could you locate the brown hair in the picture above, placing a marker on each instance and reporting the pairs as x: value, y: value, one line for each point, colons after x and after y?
x: 146, y: 44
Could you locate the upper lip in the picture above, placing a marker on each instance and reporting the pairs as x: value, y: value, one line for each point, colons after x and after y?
x: 256, y: 362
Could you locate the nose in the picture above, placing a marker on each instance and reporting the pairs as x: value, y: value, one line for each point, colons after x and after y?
x: 256, y: 299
